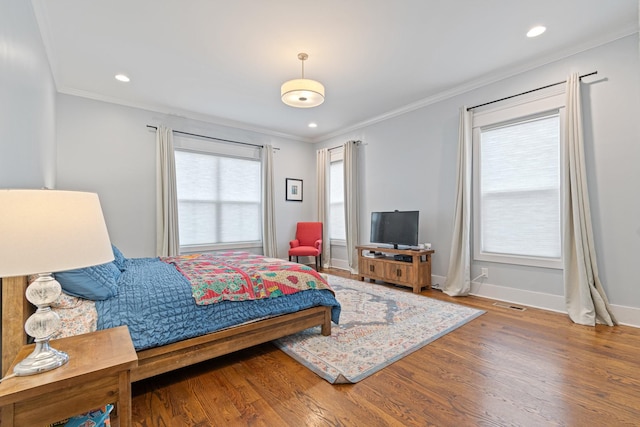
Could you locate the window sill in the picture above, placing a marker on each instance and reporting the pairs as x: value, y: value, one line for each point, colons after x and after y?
x: 553, y: 263
x: 189, y: 249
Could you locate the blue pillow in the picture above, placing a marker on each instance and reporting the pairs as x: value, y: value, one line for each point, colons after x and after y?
x: 119, y: 258
x: 96, y: 283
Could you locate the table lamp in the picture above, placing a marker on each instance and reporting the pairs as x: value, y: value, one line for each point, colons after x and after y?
x: 44, y: 231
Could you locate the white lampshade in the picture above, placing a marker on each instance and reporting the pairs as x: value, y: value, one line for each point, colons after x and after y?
x: 49, y: 231
x: 302, y: 93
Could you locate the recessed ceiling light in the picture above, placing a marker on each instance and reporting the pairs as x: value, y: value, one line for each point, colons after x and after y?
x: 536, y: 31
x: 313, y: 125
x: 122, y: 78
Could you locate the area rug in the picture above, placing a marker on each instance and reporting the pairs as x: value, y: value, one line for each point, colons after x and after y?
x: 378, y: 326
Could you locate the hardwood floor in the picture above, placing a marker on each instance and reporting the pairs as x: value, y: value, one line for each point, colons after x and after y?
x: 505, y: 368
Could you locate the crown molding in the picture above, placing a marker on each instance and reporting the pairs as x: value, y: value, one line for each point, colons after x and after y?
x: 186, y: 114
x: 484, y: 81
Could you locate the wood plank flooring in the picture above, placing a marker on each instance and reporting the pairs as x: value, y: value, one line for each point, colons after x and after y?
x: 505, y: 368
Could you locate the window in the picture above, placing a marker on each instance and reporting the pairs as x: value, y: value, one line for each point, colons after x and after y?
x: 219, y: 200
x: 336, y: 198
x: 517, y: 186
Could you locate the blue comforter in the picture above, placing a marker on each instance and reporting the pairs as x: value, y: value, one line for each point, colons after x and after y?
x: 154, y: 300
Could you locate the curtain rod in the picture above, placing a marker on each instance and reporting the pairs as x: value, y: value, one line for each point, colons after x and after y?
x: 529, y: 91
x: 214, y: 138
x: 358, y: 142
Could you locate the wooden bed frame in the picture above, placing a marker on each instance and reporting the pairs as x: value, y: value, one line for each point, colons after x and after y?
x: 16, y: 309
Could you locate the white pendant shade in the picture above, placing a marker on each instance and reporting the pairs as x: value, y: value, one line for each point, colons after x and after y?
x: 302, y: 93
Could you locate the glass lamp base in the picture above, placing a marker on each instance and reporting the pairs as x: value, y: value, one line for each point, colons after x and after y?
x: 42, y: 359
x: 42, y: 325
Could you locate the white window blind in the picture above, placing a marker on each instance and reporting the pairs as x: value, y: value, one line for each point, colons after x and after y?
x: 520, y: 188
x: 219, y: 199
x: 336, y: 201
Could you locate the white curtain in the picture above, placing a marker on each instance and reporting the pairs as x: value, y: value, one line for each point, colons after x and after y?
x: 351, y: 207
x: 322, y: 175
x: 167, y: 236
x: 458, y: 281
x: 585, y: 298
x: 269, y: 240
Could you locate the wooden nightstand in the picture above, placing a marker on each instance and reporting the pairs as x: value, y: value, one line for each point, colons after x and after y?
x: 98, y: 372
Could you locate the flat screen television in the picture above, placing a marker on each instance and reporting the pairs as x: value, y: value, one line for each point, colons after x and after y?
x: 395, y: 228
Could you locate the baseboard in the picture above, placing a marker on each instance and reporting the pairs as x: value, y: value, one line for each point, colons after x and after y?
x: 341, y: 264
x: 629, y: 316
x: 437, y: 282
x: 519, y: 296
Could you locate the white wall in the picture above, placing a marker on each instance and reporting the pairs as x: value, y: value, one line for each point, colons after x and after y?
x: 107, y: 148
x: 27, y: 101
x: 409, y: 162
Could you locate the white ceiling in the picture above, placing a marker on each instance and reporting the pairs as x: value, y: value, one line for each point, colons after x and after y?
x: 224, y: 60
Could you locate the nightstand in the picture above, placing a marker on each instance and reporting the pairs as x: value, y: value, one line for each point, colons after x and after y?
x: 98, y: 372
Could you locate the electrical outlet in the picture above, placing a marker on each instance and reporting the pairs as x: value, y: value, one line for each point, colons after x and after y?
x: 485, y: 272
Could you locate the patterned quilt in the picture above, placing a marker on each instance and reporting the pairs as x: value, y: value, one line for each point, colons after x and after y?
x: 241, y: 276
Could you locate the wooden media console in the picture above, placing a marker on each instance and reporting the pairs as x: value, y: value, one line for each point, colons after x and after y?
x: 377, y: 263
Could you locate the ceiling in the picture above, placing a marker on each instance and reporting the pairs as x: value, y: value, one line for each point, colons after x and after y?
x: 224, y: 61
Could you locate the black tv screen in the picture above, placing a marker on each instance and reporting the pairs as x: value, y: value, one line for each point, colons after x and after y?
x: 395, y: 228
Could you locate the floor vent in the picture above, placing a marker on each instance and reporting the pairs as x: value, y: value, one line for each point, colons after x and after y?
x: 509, y: 306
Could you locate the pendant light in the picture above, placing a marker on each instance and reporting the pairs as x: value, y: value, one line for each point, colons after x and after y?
x: 302, y: 93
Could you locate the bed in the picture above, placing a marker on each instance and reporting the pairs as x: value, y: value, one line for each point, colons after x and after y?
x: 184, y: 310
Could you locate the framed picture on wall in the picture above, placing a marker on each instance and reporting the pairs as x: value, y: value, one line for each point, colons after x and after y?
x: 294, y: 189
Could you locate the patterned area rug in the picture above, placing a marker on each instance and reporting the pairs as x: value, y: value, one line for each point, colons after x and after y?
x: 378, y: 325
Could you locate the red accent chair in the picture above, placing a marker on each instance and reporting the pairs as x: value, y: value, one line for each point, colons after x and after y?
x: 308, y: 242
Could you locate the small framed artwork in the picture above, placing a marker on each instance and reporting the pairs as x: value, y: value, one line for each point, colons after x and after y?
x: 294, y: 189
